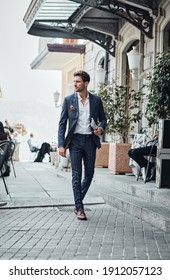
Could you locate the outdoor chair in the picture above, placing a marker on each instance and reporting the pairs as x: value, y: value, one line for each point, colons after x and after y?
x: 151, y: 158
x: 10, y: 153
x: 4, y: 155
x: 34, y: 150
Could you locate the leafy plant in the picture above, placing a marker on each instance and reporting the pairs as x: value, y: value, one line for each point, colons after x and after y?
x: 158, y: 106
x: 122, y: 108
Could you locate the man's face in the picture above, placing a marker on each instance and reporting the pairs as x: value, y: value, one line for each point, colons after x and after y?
x: 79, y: 85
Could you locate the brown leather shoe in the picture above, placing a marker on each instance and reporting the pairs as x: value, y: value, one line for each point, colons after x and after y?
x: 81, y: 215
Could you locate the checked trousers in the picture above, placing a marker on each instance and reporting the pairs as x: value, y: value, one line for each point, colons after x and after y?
x: 82, y: 154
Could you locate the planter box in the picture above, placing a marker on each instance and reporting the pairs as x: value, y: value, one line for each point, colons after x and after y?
x: 119, y: 159
x: 102, y: 155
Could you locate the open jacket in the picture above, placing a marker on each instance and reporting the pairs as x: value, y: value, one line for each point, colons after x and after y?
x: 70, y: 113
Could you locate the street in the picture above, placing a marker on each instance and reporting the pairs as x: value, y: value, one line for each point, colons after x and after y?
x: 38, y: 222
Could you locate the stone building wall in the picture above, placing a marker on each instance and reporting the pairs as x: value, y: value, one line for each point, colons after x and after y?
x: 118, y: 66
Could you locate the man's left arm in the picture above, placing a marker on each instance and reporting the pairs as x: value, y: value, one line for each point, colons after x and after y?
x: 102, y: 120
x: 102, y: 117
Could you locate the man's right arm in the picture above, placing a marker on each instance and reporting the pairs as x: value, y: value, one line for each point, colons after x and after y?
x: 62, y: 129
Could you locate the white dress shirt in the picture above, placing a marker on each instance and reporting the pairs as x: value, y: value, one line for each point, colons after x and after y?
x: 83, y: 124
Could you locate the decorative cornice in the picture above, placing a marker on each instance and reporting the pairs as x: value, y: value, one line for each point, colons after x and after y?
x: 71, y: 48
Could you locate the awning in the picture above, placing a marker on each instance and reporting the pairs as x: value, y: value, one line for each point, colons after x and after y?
x: 57, y: 56
x: 96, y: 21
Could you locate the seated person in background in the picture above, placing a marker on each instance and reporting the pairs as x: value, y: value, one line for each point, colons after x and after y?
x: 33, y: 147
x: 3, y: 134
x: 8, y: 126
x: 139, y: 155
x: 45, y: 149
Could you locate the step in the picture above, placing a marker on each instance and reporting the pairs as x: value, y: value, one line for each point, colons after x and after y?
x: 129, y: 185
x: 144, y: 201
x: 152, y: 213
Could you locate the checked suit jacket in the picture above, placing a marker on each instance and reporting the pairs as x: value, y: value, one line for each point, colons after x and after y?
x: 69, y: 118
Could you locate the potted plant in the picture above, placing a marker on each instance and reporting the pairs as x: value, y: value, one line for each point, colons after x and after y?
x: 122, y: 108
x: 158, y: 106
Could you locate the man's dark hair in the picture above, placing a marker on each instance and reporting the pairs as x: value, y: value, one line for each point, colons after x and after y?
x: 84, y: 75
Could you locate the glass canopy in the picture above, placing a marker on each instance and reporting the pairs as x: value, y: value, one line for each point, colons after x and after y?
x: 56, y: 10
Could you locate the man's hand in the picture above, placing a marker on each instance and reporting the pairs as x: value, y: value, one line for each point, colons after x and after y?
x: 98, y: 131
x: 62, y: 151
x: 155, y: 136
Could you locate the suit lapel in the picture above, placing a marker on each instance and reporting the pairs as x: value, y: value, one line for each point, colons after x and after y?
x: 91, y: 104
x: 75, y: 103
x: 76, y: 106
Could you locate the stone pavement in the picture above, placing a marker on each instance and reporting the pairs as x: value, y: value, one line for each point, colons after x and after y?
x: 38, y: 222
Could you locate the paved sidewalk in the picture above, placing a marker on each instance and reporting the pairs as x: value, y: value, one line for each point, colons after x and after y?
x: 38, y: 221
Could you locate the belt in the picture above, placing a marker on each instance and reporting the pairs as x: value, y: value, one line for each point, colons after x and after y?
x: 83, y: 135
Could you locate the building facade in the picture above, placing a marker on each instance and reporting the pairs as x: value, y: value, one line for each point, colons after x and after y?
x: 100, y: 34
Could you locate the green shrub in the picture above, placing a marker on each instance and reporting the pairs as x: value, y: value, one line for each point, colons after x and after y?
x: 158, y: 106
x: 122, y: 108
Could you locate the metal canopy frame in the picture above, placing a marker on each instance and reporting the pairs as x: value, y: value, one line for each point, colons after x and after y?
x: 68, y: 31
x: 81, y: 19
x: 138, y: 15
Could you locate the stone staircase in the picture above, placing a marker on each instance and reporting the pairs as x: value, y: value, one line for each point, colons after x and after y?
x: 144, y: 201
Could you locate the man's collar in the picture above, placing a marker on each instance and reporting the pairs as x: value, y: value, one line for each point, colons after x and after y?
x: 80, y: 98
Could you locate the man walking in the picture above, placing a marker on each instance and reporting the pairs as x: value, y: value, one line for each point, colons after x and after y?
x: 86, y: 122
